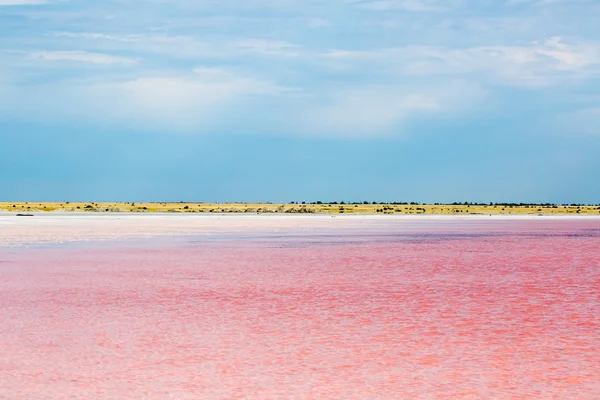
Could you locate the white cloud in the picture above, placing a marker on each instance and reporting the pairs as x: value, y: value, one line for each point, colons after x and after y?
x: 21, y: 2
x: 373, y: 80
x: 207, y: 99
x: 375, y: 110
x: 405, y: 5
x: 570, y: 57
x: 174, y: 102
x: 168, y: 102
x: 369, y: 111
x: 533, y: 2
x: 176, y: 47
x: 529, y: 65
x: 357, y: 54
x: 188, y: 46
x: 101, y: 36
x: 270, y: 47
x: 81, y: 56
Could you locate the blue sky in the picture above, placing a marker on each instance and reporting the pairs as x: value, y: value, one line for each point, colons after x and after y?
x: 289, y: 100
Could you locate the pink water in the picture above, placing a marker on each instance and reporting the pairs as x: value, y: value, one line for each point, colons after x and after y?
x: 452, y: 309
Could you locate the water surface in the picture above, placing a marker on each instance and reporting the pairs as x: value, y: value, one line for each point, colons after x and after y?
x: 299, y: 308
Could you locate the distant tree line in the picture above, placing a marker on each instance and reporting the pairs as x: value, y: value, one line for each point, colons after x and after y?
x: 353, y: 203
x: 466, y: 203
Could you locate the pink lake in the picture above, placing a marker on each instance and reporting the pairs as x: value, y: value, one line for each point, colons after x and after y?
x: 253, y: 307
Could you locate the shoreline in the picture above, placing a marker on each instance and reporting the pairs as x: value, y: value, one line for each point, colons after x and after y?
x: 65, y: 227
x: 129, y: 214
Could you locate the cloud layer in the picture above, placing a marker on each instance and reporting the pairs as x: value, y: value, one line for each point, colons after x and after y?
x: 345, y: 68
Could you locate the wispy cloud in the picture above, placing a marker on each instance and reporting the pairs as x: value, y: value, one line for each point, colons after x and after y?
x: 533, y: 65
x: 374, y: 110
x: 188, y: 46
x: 82, y: 56
x: 174, y: 102
x: 268, y: 47
x: 369, y: 111
x: 101, y: 36
x: 533, y: 2
x: 405, y: 5
x: 371, y: 65
x: 21, y: 2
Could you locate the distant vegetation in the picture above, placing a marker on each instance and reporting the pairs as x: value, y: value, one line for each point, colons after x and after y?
x: 316, y: 207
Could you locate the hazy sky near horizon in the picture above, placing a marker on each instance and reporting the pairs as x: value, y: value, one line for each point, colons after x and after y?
x: 289, y: 100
